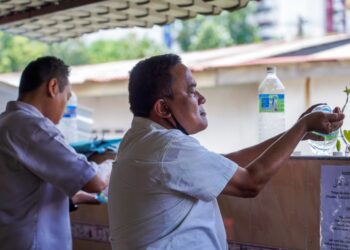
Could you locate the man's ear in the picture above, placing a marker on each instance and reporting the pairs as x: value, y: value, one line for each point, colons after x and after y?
x: 52, y: 87
x: 161, y: 109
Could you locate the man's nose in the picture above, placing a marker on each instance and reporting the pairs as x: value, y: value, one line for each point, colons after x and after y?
x: 201, y: 98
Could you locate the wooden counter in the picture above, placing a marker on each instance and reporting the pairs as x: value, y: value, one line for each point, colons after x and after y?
x: 285, y: 215
x: 90, y: 222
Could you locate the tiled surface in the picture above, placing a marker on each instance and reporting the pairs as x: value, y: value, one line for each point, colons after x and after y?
x: 57, y: 20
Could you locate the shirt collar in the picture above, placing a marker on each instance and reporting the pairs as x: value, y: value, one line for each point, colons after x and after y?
x: 142, y: 122
x: 26, y: 107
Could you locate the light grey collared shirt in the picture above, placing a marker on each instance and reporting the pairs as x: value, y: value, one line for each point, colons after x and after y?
x: 163, y: 190
x: 38, y: 171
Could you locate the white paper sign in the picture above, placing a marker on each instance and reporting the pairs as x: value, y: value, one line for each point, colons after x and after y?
x: 335, y: 207
x: 94, y: 232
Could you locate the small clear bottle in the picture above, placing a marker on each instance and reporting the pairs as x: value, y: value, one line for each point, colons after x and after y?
x: 271, y: 105
x: 68, y: 125
x: 325, y: 147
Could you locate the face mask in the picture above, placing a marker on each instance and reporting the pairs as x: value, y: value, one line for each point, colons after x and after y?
x: 177, y: 124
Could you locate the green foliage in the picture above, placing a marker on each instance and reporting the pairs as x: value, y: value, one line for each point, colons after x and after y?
x: 347, y: 134
x: 211, y: 35
x: 239, y: 27
x: 17, y: 51
x: 347, y: 90
x: 200, y: 33
x: 72, y: 52
x: 204, y: 32
x: 126, y: 48
x: 338, y: 145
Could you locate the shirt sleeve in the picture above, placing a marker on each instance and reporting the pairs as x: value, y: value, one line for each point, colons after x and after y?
x: 190, y: 168
x: 52, y: 160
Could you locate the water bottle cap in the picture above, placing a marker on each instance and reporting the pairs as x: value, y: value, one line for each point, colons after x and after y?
x: 325, y: 108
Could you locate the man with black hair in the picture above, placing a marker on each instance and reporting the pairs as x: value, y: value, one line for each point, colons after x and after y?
x: 164, y: 185
x: 38, y: 170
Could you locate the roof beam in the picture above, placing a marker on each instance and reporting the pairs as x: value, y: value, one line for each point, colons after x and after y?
x: 45, y: 9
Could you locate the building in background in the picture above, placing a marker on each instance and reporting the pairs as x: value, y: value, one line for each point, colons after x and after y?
x: 7, y: 93
x: 335, y: 16
x: 312, y: 70
x: 285, y: 19
x: 347, y: 15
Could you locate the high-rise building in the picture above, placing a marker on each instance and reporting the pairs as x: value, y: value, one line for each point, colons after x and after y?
x: 335, y: 16
x: 285, y: 19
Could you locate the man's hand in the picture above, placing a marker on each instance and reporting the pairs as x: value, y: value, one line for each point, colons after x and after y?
x: 323, y: 122
x: 310, y: 135
x: 309, y: 110
x: 82, y: 197
x: 104, y: 169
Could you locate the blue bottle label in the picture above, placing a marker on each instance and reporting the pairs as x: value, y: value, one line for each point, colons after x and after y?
x: 271, y: 102
x: 71, y: 111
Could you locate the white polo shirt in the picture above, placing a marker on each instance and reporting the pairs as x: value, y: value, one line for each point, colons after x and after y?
x: 163, y: 190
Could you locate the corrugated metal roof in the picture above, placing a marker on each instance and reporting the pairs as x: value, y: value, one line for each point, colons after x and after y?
x: 58, y: 20
x: 275, y: 52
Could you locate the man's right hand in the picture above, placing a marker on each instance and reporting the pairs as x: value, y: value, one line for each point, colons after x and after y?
x: 248, y: 181
x: 323, y: 122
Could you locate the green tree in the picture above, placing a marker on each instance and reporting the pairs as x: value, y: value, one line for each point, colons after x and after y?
x: 210, y: 35
x: 204, y: 32
x: 239, y: 27
x: 17, y: 51
x: 129, y: 47
x: 73, y: 52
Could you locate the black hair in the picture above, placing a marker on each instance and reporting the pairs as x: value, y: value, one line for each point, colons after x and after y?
x: 150, y: 80
x: 42, y: 70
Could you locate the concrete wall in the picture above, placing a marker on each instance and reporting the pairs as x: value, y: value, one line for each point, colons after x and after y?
x: 232, y: 114
x: 231, y: 95
x: 109, y: 112
x: 7, y: 93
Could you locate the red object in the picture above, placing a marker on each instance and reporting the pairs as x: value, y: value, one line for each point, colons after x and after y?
x: 228, y: 223
x: 329, y: 16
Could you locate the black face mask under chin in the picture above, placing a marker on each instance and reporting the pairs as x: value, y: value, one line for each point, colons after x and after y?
x: 177, y: 124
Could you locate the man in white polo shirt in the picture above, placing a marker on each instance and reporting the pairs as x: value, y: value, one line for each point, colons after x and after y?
x: 163, y: 187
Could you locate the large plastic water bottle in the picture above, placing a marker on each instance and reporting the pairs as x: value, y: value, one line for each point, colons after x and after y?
x: 271, y: 106
x: 68, y: 124
x: 325, y: 147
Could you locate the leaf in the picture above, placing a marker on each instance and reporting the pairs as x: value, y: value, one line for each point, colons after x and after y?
x: 338, y: 145
x: 347, y: 135
x: 347, y: 90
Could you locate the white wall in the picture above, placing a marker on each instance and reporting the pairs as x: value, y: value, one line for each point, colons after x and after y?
x: 233, y: 108
x: 109, y: 112
x: 6, y: 94
x: 232, y: 114
x: 232, y: 123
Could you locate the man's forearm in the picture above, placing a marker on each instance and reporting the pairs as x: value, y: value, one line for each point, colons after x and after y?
x: 247, y: 155
x: 278, y: 152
